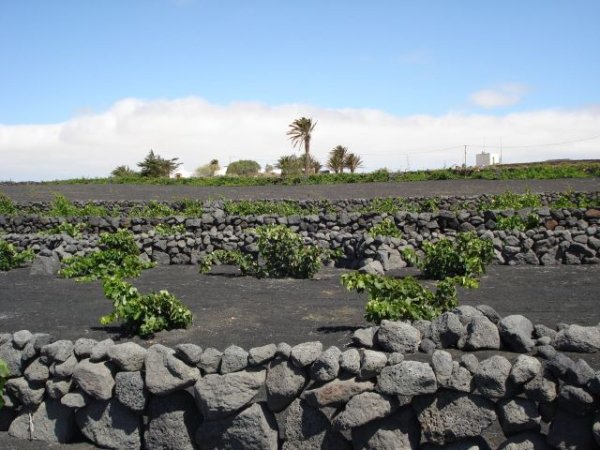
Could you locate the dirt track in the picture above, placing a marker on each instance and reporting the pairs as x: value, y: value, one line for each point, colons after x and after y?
x: 85, y: 192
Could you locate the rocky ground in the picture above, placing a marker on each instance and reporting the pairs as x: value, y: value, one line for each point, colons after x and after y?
x: 83, y: 192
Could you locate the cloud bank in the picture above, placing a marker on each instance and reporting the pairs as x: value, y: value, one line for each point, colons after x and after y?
x: 505, y: 95
x: 197, y: 131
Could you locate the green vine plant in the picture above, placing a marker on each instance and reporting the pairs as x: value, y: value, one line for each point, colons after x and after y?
x: 4, y: 374
x: 401, y: 299
x: 11, y: 258
x: 165, y: 229
x: 144, y: 314
x: 464, y: 258
x: 71, y: 229
x: 281, y: 254
x: 517, y: 222
x: 118, y: 256
x: 387, y: 227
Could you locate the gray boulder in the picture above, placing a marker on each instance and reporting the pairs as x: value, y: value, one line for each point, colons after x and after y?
x: 596, y: 430
x: 407, y: 378
x: 540, y: 388
x: 83, y: 347
x: 306, y: 353
x: 261, y: 355
x: 189, y: 353
x: 327, y: 366
x: 524, y: 368
x: 95, y: 379
x: 447, y: 330
x: 58, y: 351
x: 172, y: 422
x: 252, y: 429
x: 37, y: 371
x: 371, y: 363
x: 398, y: 337
x: 210, y: 360
x: 109, y: 424
x: 100, y: 350
x: 304, y: 427
x: 218, y: 396
x: 76, y: 400
x: 491, y: 376
x: 398, y: 431
x: 450, y: 416
x: 364, y: 337
x: 234, y: 359
x: 518, y: 415
x: 128, y: 356
x: 129, y: 390
x: 28, y: 394
x: 482, y: 334
x: 350, y: 361
x: 52, y: 422
x: 45, y: 265
x: 21, y: 338
x: 165, y: 373
x: 284, y: 383
x: 525, y: 441
x: 57, y: 388
x: 576, y: 338
x: 364, y: 408
x: 13, y: 358
x: 460, y: 379
x: 64, y: 369
x: 441, y: 361
x: 516, y: 332
x: 336, y: 392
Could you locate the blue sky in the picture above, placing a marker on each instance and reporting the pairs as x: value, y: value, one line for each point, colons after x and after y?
x: 64, y: 59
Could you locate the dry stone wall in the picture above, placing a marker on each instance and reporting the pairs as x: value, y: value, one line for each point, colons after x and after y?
x: 399, y: 385
x: 562, y: 236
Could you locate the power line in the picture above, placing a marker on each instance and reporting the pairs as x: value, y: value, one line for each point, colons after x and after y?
x: 539, y: 145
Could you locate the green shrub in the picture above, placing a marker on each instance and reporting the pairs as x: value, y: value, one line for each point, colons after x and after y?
x: 260, y: 207
x: 72, y: 229
x: 11, y: 258
x: 517, y: 222
x: 144, y: 314
x: 63, y: 207
x: 243, y: 167
x: 118, y: 256
x: 509, y: 200
x: 7, y: 207
x: 153, y: 209
x: 401, y: 299
x: 4, y: 374
x: 282, y: 253
x: 164, y: 229
x: 387, y: 227
x: 466, y: 257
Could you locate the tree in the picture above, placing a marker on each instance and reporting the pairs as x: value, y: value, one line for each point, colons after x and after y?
x: 243, y: 167
x: 300, y: 134
x: 123, y: 171
x: 337, y: 158
x: 208, y: 170
x: 314, y: 165
x: 155, y: 166
x: 289, y: 165
x: 269, y: 169
x: 353, y: 162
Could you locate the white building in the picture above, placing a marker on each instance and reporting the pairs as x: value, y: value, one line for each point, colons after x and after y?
x: 484, y: 159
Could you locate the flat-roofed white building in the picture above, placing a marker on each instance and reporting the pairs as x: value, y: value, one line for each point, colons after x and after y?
x: 484, y: 159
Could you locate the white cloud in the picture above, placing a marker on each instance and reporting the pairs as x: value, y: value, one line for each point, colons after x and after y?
x: 197, y: 131
x: 505, y: 95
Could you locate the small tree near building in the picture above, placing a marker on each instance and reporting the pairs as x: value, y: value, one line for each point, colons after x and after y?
x: 243, y: 167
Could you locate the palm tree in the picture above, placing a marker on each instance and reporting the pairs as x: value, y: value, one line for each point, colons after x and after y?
x: 314, y: 165
x: 337, y: 158
x: 300, y: 133
x: 353, y: 162
x: 214, y: 167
